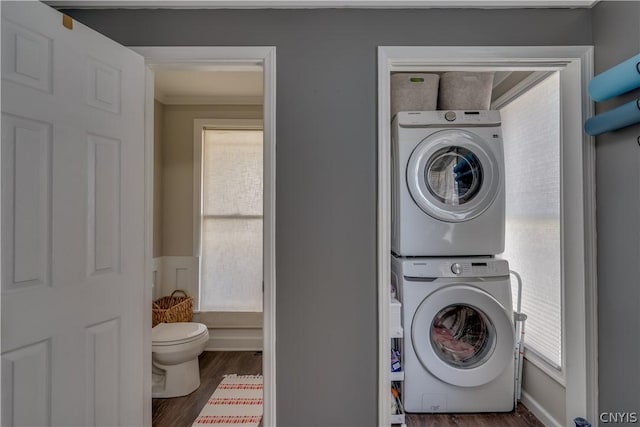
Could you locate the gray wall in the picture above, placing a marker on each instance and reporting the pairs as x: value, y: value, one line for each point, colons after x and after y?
x: 326, y: 169
x: 616, y: 37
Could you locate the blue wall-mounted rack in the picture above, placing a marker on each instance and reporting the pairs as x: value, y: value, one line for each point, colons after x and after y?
x: 617, y: 80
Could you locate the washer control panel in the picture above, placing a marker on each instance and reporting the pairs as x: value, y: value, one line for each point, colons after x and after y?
x: 448, y: 118
x: 454, y: 267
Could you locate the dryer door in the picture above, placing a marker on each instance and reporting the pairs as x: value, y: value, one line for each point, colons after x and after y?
x: 453, y: 175
x: 463, y: 336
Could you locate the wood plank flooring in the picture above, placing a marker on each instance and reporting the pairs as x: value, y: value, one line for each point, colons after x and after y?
x: 182, y: 411
x: 521, y: 417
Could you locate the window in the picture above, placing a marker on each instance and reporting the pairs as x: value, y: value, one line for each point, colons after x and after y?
x: 531, y: 134
x: 231, y: 220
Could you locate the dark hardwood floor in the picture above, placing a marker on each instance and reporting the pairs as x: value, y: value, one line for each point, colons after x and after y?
x: 182, y: 411
x: 521, y: 417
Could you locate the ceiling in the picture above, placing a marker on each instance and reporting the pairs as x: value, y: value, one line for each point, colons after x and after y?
x: 233, y: 86
x: 209, y: 87
x: 294, y: 4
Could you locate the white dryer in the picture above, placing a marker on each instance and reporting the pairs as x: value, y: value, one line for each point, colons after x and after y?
x: 459, y: 340
x: 447, y: 184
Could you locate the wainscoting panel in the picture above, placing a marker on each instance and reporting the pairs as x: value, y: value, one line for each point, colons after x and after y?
x: 175, y: 272
x: 232, y: 331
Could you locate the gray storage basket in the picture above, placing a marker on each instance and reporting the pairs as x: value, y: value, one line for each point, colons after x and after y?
x: 464, y: 90
x: 414, y: 92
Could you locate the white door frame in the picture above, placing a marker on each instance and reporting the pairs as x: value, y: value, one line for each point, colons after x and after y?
x: 580, y: 316
x: 212, y: 58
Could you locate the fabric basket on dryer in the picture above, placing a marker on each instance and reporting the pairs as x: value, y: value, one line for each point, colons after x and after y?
x: 463, y: 90
x: 414, y: 92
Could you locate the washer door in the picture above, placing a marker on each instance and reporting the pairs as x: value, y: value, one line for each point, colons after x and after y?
x: 453, y: 175
x: 463, y: 336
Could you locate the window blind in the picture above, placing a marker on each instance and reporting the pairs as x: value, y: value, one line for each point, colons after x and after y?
x: 231, y: 221
x: 531, y: 134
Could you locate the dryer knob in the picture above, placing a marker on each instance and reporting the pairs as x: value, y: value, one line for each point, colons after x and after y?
x: 456, y: 268
x: 450, y: 116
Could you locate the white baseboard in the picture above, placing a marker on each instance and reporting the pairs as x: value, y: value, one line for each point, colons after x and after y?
x: 540, y: 413
x: 234, y: 340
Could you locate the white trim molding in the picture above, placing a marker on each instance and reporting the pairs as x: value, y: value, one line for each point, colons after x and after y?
x: 150, y: 272
x: 575, y: 64
x: 204, y: 57
x: 539, y: 411
x: 240, y: 339
x: 209, y: 100
x: 320, y: 4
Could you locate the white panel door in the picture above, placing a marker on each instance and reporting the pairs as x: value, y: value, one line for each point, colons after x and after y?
x: 72, y: 223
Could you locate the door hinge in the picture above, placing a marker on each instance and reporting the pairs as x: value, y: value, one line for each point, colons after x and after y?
x: 67, y: 22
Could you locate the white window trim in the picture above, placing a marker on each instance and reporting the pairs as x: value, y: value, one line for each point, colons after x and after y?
x: 159, y: 57
x: 579, y: 263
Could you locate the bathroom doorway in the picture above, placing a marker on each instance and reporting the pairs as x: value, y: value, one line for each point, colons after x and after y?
x: 197, y: 103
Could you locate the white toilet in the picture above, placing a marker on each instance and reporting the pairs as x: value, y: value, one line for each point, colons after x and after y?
x: 175, y: 351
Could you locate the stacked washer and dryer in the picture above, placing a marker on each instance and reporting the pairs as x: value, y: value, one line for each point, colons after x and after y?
x: 448, y: 208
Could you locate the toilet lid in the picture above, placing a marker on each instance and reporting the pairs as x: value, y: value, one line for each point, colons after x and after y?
x: 175, y: 333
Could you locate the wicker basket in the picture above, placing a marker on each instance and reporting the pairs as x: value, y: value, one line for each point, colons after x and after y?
x: 173, y: 308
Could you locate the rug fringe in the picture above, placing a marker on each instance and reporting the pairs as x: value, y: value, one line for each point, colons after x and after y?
x: 236, y: 402
x: 248, y: 377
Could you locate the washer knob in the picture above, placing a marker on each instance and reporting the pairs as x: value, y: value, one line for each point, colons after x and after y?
x: 456, y: 268
x: 450, y: 116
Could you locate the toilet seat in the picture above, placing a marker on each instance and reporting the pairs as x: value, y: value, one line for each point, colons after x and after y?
x: 170, y: 334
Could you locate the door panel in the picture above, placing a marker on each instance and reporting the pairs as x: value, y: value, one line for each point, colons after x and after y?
x: 72, y: 223
x: 27, y: 143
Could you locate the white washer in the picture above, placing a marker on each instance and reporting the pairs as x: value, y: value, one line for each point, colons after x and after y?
x: 447, y: 183
x: 459, y: 339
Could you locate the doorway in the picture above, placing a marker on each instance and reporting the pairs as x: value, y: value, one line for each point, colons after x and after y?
x: 575, y: 68
x: 211, y: 58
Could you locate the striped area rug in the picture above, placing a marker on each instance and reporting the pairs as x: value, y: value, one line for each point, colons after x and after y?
x: 236, y: 402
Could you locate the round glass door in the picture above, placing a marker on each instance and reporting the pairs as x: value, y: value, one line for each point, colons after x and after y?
x: 462, y: 335
x: 453, y: 175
